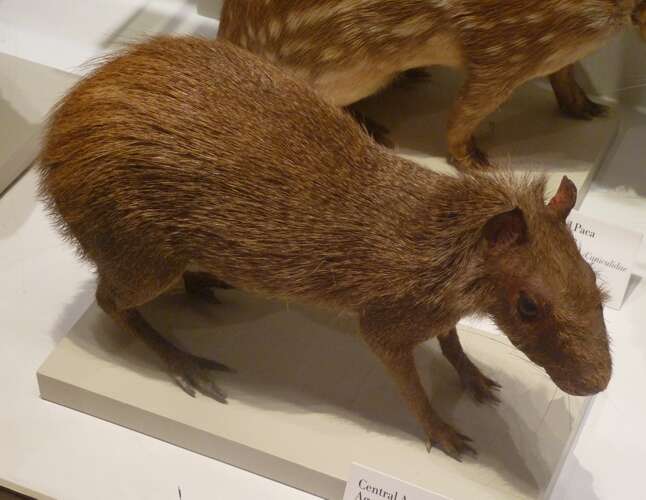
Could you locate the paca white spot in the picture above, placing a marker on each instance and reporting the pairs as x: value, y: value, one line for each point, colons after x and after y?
x: 275, y: 28
x: 494, y: 49
x: 547, y: 37
x: 512, y: 20
x: 411, y: 27
x: 442, y: 4
x: 294, y: 46
x: 331, y: 54
x: 487, y: 25
x: 319, y: 13
x: 535, y: 17
x: 262, y: 36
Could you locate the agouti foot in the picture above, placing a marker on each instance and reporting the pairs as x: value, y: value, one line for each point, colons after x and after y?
x: 482, y: 388
x: 451, y: 442
x: 585, y: 109
x: 193, y: 374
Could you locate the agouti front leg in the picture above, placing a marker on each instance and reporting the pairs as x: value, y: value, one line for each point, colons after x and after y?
x: 399, y: 361
x: 571, y: 97
x: 479, y: 97
x: 482, y: 388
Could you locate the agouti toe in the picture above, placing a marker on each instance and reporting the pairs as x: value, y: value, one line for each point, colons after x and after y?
x: 194, y: 375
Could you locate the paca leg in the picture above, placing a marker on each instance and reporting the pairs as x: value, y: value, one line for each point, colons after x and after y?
x: 478, y: 98
x: 472, y: 378
x: 121, y: 301
x: 400, y: 363
x: 571, y: 97
x: 200, y: 285
x: 377, y: 131
x: 417, y: 75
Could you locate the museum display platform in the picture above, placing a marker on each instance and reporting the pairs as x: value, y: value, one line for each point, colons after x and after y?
x: 308, y: 399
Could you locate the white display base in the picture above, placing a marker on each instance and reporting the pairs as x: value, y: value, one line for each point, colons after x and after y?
x: 10, y: 491
x: 27, y: 93
x: 527, y: 133
x: 309, y: 399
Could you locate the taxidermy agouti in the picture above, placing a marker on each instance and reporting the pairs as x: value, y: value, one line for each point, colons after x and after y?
x: 185, y: 153
x: 351, y: 49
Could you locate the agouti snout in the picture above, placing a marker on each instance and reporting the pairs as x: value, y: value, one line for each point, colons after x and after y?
x: 183, y: 153
x: 352, y: 49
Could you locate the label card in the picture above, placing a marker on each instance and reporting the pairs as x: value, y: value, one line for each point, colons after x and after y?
x: 368, y: 484
x: 610, y: 250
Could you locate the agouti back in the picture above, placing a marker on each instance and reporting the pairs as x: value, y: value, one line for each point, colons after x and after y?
x: 184, y: 153
x: 350, y: 49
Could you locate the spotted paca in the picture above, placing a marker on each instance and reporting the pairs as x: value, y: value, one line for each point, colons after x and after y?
x: 350, y: 49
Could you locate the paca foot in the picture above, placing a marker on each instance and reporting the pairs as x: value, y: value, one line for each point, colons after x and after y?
x: 200, y: 285
x: 377, y: 131
x: 571, y: 97
x: 451, y: 442
x: 584, y: 109
x: 193, y: 374
x: 470, y: 159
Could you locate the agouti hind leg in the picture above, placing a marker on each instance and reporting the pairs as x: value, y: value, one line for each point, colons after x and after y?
x: 120, y: 302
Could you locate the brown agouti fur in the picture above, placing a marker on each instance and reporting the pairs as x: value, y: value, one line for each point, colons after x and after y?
x: 350, y: 49
x: 185, y: 152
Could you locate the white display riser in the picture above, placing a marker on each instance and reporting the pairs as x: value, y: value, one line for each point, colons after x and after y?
x: 308, y: 399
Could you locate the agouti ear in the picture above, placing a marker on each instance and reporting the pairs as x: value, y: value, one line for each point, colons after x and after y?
x: 506, y: 229
x: 564, y: 199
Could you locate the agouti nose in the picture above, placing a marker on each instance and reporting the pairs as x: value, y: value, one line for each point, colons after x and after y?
x: 588, y: 385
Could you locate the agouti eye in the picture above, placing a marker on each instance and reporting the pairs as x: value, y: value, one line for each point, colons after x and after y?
x: 527, y: 307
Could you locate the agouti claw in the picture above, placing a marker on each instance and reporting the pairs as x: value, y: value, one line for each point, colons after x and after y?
x: 451, y: 442
x: 194, y: 375
x: 482, y: 388
x: 214, y: 365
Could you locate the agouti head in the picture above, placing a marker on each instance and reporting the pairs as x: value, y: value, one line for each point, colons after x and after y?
x: 639, y: 18
x: 546, y: 296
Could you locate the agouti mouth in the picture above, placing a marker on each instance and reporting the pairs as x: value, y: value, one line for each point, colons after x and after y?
x: 582, y: 388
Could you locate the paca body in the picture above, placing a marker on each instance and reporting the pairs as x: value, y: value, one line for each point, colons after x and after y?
x: 183, y: 153
x: 350, y: 49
